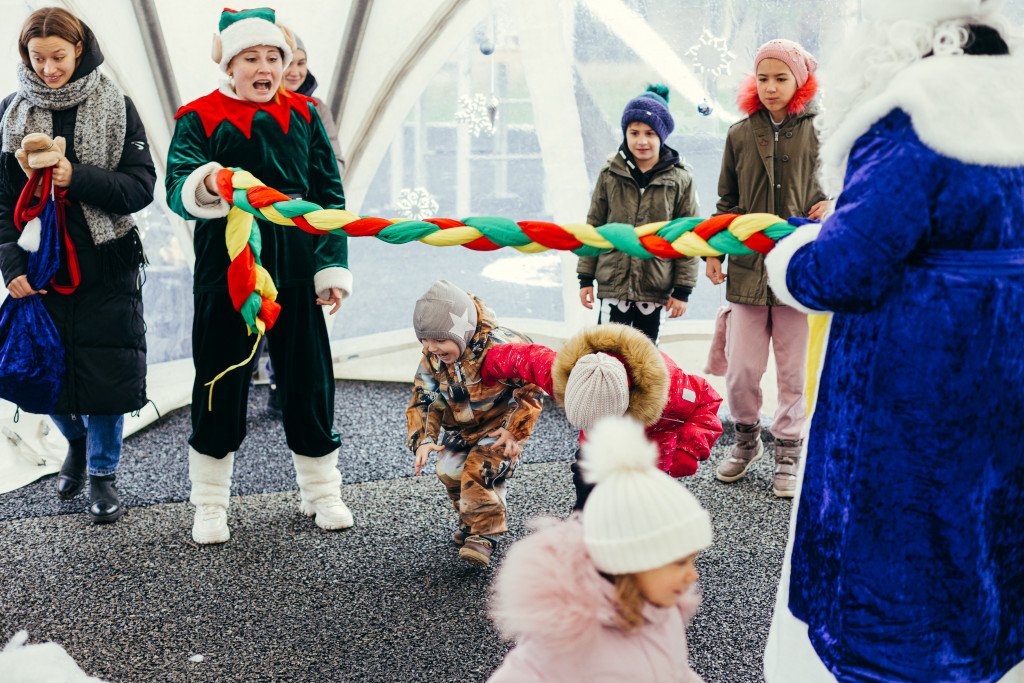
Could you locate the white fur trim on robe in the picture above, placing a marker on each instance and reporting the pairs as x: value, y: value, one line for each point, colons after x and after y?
x: 188, y: 194
x: 777, y: 263
x: 334, y: 276
x: 989, y: 84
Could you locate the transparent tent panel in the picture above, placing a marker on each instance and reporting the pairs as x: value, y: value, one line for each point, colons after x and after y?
x: 450, y: 158
x: 617, y: 47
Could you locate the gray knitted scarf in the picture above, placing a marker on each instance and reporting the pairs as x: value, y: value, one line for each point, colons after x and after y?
x: 99, y: 131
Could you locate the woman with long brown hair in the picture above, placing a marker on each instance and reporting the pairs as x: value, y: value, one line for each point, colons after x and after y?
x: 105, y: 174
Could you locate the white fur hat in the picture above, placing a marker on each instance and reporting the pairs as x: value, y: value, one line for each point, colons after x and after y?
x: 930, y: 11
x: 241, y: 29
x: 637, y: 517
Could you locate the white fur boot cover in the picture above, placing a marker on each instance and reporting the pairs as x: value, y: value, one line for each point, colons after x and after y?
x: 320, y: 491
x: 211, y: 491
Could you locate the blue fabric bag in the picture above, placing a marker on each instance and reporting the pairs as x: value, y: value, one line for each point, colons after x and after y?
x: 31, y: 351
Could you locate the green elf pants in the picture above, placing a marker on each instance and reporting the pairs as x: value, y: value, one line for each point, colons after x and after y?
x: 301, y: 353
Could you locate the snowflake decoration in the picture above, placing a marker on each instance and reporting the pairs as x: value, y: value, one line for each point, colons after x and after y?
x: 417, y: 204
x: 478, y: 112
x: 711, y: 51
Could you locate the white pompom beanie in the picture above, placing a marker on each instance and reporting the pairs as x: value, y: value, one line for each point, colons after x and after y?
x: 637, y: 517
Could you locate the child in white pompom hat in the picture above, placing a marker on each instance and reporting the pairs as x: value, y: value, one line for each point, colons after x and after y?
x: 607, y: 593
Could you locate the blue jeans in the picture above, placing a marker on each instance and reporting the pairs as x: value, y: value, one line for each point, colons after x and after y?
x: 103, y: 439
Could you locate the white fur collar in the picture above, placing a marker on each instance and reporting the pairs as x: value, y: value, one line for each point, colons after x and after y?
x: 967, y: 108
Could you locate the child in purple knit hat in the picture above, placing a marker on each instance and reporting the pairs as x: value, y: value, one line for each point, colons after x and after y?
x: 645, y: 181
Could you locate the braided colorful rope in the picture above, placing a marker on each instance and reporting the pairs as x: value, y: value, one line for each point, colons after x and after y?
x: 253, y: 292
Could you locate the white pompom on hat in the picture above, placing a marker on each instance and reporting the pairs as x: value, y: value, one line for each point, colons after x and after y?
x: 930, y: 11
x: 637, y: 517
x: 597, y: 387
x: 239, y: 30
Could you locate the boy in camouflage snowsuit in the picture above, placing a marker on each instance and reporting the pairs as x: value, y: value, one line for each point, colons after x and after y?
x: 484, y: 427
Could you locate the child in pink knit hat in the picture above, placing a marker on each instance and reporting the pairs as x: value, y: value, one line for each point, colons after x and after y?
x: 768, y: 166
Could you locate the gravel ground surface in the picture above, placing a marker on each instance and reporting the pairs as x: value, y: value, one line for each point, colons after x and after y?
x: 388, y: 600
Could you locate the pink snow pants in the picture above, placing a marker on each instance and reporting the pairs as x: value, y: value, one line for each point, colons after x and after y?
x: 750, y: 329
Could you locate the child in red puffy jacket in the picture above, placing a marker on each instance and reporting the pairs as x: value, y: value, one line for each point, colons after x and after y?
x: 613, y: 369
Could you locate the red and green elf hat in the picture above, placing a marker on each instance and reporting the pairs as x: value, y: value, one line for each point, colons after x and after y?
x: 245, y: 28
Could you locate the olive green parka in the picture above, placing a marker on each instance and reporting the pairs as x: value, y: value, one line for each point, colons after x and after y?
x: 618, y: 198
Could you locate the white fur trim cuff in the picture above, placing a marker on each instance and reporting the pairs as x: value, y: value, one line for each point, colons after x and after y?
x: 247, y: 33
x: 334, y: 276
x: 777, y: 263
x: 190, y: 199
x: 31, y: 235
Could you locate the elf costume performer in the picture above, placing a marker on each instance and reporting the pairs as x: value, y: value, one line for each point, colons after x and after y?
x: 906, y: 560
x: 253, y: 123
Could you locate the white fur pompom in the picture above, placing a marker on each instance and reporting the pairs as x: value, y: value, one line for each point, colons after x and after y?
x: 31, y: 235
x: 616, y: 445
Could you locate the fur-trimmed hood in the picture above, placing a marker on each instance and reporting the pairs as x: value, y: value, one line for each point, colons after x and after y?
x: 648, y: 375
x: 803, y: 100
x: 549, y: 589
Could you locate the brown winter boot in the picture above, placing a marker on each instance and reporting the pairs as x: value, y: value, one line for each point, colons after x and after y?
x: 787, y: 464
x: 477, y: 550
x: 747, y: 450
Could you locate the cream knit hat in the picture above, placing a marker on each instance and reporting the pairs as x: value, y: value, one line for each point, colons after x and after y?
x: 597, y: 387
x: 637, y: 517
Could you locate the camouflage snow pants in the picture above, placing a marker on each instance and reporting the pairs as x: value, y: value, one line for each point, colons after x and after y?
x: 475, y: 480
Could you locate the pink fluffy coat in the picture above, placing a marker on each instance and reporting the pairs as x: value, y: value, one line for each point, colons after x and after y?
x: 551, y: 600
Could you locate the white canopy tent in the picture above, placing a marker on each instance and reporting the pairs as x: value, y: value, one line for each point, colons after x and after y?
x: 401, y: 78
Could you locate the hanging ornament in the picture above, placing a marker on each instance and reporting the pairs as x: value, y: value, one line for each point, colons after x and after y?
x: 710, y: 55
x: 478, y: 113
x: 416, y: 203
x: 704, y: 108
x: 486, y: 45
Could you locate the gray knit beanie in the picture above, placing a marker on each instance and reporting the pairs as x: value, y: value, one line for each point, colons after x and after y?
x: 597, y: 387
x: 445, y: 312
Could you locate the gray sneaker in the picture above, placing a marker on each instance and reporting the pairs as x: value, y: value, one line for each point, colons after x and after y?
x: 787, y: 464
x: 747, y: 450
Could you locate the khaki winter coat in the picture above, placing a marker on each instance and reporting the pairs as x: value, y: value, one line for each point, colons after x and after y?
x: 766, y: 173
x: 618, y: 199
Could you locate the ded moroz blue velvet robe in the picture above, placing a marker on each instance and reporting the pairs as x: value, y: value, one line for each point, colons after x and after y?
x: 907, y: 556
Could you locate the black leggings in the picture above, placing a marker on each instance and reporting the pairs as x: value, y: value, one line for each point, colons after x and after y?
x: 583, y: 489
x: 648, y: 324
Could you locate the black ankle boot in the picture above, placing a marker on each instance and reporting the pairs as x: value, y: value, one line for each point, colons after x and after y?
x: 104, y: 506
x: 72, y: 472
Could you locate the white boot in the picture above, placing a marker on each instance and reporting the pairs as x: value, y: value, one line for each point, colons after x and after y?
x: 211, y: 489
x: 320, y: 489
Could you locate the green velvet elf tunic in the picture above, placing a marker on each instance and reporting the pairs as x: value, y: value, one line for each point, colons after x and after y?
x: 284, y: 144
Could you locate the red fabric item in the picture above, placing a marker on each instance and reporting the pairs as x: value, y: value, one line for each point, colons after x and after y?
x: 224, y: 187
x: 760, y: 243
x: 305, y: 226
x: 241, y: 278
x: 366, y: 227
x: 550, y: 235
x: 216, y: 108
x: 749, y: 103
x: 659, y: 246
x: 714, y: 225
x: 69, y: 253
x: 29, y: 206
x: 689, y: 425
x: 261, y: 196
x: 269, y: 310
